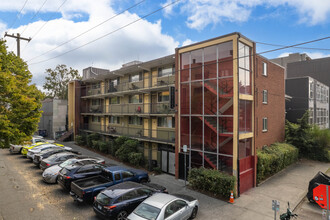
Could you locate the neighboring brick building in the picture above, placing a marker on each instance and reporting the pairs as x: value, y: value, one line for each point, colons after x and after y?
x: 269, y: 103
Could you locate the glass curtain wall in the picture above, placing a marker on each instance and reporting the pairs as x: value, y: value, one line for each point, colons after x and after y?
x: 206, y: 100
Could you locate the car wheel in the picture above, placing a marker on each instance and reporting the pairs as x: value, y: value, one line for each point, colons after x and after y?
x: 122, y: 215
x: 143, y: 181
x: 194, y: 213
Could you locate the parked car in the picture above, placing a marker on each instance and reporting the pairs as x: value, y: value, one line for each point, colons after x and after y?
x: 85, y: 189
x: 18, y: 148
x: 75, y: 172
x: 25, y: 149
x: 164, y: 206
x: 47, y: 153
x: 50, y: 174
x: 56, y: 159
x: 38, y: 149
x: 119, y: 200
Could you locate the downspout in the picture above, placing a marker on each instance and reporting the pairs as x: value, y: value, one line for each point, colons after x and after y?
x: 238, y: 170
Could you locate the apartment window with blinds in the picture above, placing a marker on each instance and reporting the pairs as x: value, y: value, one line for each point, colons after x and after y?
x: 166, y: 122
x: 114, y: 120
x: 135, y: 77
x: 134, y: 120
x: 115, y: 100
x: 165, y: 71
x: 264, y: 69
x: 265, y: 124
x: 96, y: 119
x: 264, y: 96
x: 135, y: 99
x: 164, y: 96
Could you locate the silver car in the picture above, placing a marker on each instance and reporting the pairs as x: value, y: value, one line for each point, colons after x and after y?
x: 17, y: 148
x: 50, y: 174
x: 164, y: 206
x: 31, y: 152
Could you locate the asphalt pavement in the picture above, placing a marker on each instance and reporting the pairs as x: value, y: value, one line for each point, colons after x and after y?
x: 23, y: 194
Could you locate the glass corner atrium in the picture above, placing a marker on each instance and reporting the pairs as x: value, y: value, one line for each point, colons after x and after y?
x: 207, y: 104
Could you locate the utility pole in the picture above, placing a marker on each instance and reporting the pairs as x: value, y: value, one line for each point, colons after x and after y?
x: 18, y: 38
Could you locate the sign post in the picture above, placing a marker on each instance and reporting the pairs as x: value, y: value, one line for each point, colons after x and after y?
x: 185, y: 163
x: 275, y: 207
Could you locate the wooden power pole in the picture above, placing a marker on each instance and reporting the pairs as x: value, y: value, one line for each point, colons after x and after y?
x: 18, y: 38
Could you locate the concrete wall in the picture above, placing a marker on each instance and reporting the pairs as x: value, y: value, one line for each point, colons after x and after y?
x: 274, y: 110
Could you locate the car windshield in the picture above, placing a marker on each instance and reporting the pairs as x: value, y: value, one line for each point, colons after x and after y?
x: 103, y: 199
x: 67, y: 163
x: 147, y: 211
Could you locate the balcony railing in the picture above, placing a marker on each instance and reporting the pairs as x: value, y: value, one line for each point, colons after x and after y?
x: 161, y: 134
x: 131, y: 108
x: 142, y: 85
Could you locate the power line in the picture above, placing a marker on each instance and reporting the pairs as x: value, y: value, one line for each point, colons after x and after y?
x: 35, y: 14
x: 49, y: 18
x: 18, y: 13
x: 122, y: 27
x: 87, y: 30
x: 305, y: 48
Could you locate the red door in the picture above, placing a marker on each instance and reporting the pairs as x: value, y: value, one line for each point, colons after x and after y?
x: 246, y: 168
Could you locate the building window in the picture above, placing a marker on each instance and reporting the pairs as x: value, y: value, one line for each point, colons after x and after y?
x: 114, y: 120
x: 166, y: 122
x: 265, y: 124
x: 96, y: 119
x: 96, y: 102
x: 264, y: 69
x: 134, y: 120
x: 135, y: 77
x: 165, y: 71
x: 311, y: 90
x: 164, y: 96
x: 115, y: 100
x: 96, y: 86
x: 265, y: 96
x: 135, y: 99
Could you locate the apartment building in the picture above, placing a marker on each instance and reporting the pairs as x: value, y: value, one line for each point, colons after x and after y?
x: 207, y: 97
x: 136, y: 101
x: 308, y: 94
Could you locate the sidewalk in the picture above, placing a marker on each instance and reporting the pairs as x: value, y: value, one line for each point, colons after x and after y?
x: 289, y: 185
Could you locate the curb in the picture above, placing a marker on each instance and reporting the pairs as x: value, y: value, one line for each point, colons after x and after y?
x: 300, y: 201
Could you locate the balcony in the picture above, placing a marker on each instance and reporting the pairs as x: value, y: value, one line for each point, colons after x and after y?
x: 129, y: 109
x: 146, y: 85
x: 162, y: 135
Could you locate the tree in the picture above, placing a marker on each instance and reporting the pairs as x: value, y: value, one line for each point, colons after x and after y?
x: 57, y: 81
x: 20, y: 102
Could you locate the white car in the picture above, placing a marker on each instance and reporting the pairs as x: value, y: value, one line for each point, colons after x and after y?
x: 17, y: 148
x: 162, y: 206
x: 31, y: 152
x: 50, y: 174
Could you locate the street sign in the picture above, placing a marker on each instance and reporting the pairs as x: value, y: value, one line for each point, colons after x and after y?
x: 185, y: 148
x: 275, y: 205
x: 320, y: 195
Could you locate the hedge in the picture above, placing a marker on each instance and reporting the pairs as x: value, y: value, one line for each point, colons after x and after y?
x: 274, y: 158
x: 213, y: 181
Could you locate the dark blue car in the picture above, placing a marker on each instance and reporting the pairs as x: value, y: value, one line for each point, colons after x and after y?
x: 117, y: 201
x: 78, y: 171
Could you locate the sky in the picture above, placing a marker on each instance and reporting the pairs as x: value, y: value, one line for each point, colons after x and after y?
x: 109, y: 33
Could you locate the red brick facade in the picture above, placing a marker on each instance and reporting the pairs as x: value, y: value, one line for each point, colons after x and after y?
x: 274, y: 110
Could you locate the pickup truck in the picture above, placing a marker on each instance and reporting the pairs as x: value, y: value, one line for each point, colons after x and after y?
x: 86, y: 189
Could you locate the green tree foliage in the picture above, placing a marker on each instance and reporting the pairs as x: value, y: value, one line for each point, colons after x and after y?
x: 57, y: 81
x: 20, y: 102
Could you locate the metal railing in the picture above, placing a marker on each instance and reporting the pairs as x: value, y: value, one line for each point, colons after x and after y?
x: 130, y: 108
x: 160, y: 134
x: 144, y: 84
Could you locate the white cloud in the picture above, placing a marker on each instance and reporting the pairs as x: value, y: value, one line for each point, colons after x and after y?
x: 284, y: 54
x: 201, y: 13
x: 317, y: 55
x: 187, y: 42
x: 141, y: 41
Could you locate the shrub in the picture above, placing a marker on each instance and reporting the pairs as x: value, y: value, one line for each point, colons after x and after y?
x: 274, y: 158
x: 157, y: 170
x: 126, y: 148
x: 212, y: 181
x: 105, y: 146
x: 136, y: 159
x: 92, y: 137
x: 81, y: 140
x: 96, y: 144
x: 118, y: 142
